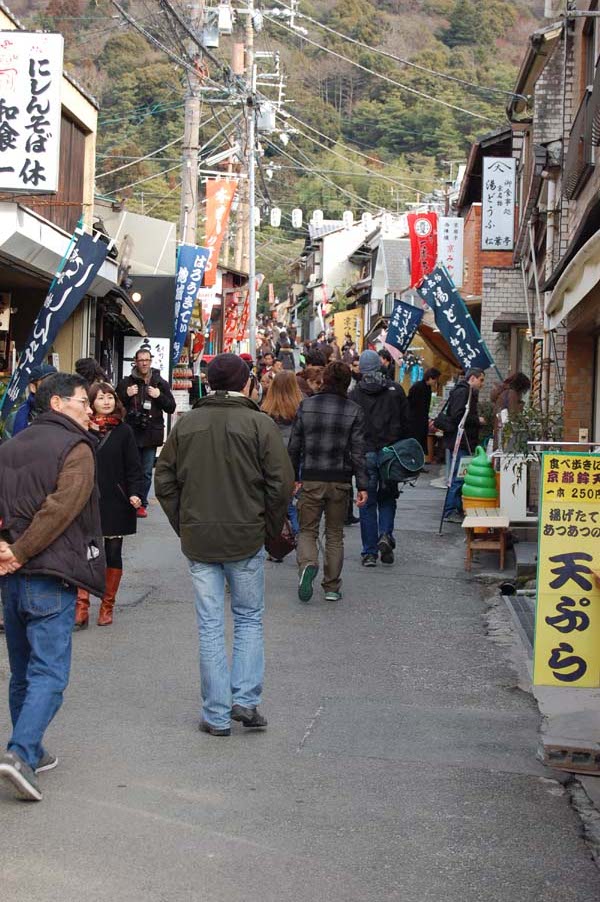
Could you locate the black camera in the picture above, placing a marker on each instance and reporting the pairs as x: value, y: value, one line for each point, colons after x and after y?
x: 137, y: 419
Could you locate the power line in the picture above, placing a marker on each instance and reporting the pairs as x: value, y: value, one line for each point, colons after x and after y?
x: 362, y: 175
x: 380, y: 75
x: 398, y: 59
x: 147, y: 178
x: 354, y: 163
x: 365, y: 156
x: 140, y: 159
x: 152, y: 40
x: 324, y: 178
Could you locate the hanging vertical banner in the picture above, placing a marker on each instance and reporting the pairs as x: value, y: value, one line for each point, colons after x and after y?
x: 230, y: 329
x: 31, y: 66
x: 404, y: 322
x: 454, y: 321
x: 191, y: 266
x: 74, y: 277
x: 498, y: 204
x: 219, y: 197
x: 422, y: 230
x: 244, y: 318
x: 567, y: 621
x: 450, y: 247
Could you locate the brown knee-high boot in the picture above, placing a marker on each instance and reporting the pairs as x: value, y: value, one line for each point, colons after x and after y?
x: 82, y: 609
x: 113, y: 578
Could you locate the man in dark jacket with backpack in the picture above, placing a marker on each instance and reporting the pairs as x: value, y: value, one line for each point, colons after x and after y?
x: 385, y: 411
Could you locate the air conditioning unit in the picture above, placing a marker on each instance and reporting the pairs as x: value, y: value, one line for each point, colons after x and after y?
x: 388, y: 304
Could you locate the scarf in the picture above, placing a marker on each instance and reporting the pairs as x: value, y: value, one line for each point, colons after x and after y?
x: 105, y: 423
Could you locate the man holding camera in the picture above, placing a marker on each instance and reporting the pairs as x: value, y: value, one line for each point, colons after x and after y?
x: 146, y: 398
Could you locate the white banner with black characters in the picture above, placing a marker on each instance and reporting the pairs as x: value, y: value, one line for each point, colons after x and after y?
x: 191, y: 263
x: 70, y: 285
x: 498, y: 204
x: 450, y: 246
x: 454, y: 321
x: 30, y: 111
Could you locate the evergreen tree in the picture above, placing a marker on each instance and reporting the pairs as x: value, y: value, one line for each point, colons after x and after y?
x: 465, y: 24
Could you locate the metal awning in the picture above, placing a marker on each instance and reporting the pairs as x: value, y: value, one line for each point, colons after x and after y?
x: 126, y: 311
x: 579, y: 277
x: 505, y: 321
x: 541, y: 47
x: 33, y: 242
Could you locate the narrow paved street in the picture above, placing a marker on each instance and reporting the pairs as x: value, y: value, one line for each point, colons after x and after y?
x: 400, y: 760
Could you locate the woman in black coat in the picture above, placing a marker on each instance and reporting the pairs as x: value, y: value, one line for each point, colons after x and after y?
x: 121, y: 484
x: 419, y: 402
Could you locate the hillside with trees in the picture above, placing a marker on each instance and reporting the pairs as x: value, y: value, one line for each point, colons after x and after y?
x: 380, y: 131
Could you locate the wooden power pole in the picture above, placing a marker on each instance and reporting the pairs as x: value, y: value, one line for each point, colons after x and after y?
x: 188, y: 217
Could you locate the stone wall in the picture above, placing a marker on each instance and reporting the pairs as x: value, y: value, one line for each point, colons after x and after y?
x: 502, y: 293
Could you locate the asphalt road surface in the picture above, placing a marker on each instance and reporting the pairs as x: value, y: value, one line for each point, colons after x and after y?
x: 400, y: 760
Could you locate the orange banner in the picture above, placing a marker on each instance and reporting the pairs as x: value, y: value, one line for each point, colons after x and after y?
x: 219, y: 197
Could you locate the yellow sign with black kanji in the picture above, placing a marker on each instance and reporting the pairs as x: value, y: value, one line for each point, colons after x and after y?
x: 349, y: 323
x: 567, y: 620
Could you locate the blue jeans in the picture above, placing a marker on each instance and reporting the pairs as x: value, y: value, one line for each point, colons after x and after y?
x: 219, y: 686
x: 454, y: 496
x: 147, y: 458
x: 39, y: 614
x: 292, y: 513
x: 378, y: 515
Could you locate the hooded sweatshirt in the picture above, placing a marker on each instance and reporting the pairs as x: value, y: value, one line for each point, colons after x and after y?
x: 385, y: 410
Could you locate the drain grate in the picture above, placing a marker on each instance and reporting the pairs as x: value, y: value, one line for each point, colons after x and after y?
x: 522, y: 608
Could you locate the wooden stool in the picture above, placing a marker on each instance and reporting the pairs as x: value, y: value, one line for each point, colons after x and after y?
x: 493, y: 520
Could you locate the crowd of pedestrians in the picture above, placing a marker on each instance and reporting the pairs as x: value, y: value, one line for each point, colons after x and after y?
x: 268, y: 450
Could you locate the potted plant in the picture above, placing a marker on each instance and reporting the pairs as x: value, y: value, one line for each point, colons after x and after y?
x: 531, y: 424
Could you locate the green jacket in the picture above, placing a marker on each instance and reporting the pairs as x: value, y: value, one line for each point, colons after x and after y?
x: 224, y: 479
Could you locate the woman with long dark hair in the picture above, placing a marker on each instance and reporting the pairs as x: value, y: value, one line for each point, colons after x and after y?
x: 121, y: 484
x: 281, y: 404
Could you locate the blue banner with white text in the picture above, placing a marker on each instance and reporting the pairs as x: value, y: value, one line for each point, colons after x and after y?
x: 191, y: 263
x: 454, y: 321
x: 77, y: 271
x: 404, y: 322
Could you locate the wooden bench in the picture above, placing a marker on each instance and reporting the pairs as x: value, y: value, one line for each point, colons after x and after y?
x: 491, y: 519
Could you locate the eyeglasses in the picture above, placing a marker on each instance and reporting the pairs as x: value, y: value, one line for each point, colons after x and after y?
x: 79, y: 400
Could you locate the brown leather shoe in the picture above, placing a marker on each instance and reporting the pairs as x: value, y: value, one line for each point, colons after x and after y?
x: 82, y: 609
x: 113, y: 579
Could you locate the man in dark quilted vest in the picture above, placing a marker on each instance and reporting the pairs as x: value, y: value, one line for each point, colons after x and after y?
x: 50, y: 543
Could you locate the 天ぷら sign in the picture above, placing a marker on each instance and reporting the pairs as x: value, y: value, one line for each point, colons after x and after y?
x: 567, y: 621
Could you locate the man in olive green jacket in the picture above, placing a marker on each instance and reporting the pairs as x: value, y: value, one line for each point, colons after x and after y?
x: 224, y: 480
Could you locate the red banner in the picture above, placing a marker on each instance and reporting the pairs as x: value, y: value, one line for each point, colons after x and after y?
x: 244, y: 318
x: 422, y: 228
x: 219, y: 197
x: 231, y: 320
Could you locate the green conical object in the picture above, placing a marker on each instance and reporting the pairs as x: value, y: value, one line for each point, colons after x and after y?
x: 480, y: 481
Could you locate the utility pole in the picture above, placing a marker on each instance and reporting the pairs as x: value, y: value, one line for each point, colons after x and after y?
x: 251, y: 158
x: 188, y: 216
